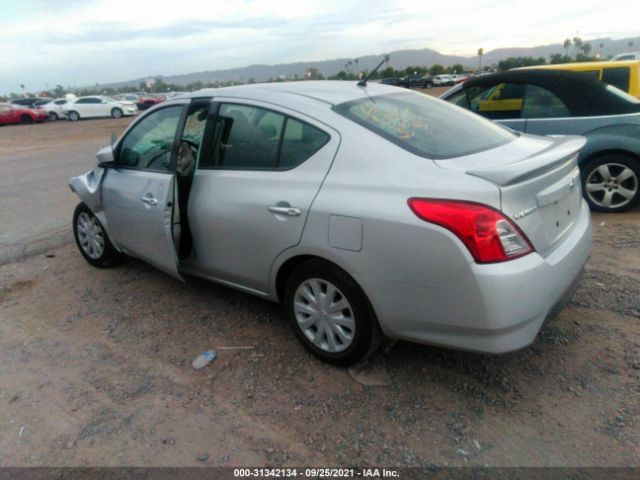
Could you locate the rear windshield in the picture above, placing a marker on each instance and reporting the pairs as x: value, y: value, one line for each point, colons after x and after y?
x: 425, y: 126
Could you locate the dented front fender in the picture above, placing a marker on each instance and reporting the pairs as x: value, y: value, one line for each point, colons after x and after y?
x: 87, y: 188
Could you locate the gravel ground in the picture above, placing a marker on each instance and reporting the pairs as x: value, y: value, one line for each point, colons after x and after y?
x: 96, y: 370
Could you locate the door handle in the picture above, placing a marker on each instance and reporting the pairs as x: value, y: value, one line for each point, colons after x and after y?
x: 288, y: 211
x: 149, y: 200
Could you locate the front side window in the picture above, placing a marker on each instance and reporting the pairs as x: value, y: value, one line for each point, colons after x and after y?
x: 541, y: 103
x: 617, y: 76
x: 425, y: 126
x: 148, y: 144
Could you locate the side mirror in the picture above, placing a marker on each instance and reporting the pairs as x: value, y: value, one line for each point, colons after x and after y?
x: 105, y: 157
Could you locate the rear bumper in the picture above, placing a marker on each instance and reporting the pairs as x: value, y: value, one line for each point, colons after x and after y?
x: 495, y: 308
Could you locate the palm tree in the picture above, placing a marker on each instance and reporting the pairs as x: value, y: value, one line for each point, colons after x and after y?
x: 480, y: 54
x: 577, y: 43
x: 567, y: 44
x: 630, y: 44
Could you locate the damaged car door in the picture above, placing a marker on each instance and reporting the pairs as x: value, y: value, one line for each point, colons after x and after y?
x: 138, y: 189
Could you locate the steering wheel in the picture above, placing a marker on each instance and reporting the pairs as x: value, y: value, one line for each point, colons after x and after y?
x: 193, y: 145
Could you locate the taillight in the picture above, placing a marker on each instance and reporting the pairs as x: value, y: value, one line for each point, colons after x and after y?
x: 487, y: 233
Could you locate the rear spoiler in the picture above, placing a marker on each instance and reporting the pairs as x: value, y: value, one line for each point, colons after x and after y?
x: 564, y: 149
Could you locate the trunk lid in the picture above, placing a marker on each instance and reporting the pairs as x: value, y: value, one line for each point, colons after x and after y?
x: 539, y: 181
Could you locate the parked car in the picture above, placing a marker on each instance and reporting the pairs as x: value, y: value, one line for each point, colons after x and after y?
x: 443, y: 80
x: 128, y: 97
x: 14, y: 114
x: 149, y: 101
x: 547, y: 102
x: 27, y: 102
x: 626, y: 56
x: 92, y: 107
x: 396, y: 82
x: 365, y: 211
x: 624, y: 75
x: 416, y: 81
x: 53, y: 108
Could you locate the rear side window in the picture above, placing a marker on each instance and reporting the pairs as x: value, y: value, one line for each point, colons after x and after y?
x: 254, y: 138
x: 617, y: 76
x: 425, y: 126
x: 541, y: 103
x: 300, y: 142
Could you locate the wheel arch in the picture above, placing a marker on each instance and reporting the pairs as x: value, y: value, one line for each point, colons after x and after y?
x: 609, y: 151
x: 285, y: 266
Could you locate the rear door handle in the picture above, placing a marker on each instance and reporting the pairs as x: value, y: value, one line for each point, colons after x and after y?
x: 289, y: 211
x: 149, y: 200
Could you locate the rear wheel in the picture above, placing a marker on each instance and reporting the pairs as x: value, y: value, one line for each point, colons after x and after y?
x: 73, y: 116
x: 92, y: 240
x: 26, y: 120
x: 116, y: 113
x: 330, y: 313
x: 611, y: 183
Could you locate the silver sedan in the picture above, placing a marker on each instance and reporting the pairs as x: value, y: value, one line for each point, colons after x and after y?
x: 368, y: 211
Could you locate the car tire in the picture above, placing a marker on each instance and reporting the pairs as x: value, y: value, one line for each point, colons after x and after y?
x: 611, y: 183
x: 73, y: 116
x: 340, y: 337
x: 26, y: 120
x: 116, y: 113
x: 52, y: 117
x: 92, y: 240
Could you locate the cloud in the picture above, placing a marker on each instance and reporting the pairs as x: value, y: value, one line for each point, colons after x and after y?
x: 85, y: 42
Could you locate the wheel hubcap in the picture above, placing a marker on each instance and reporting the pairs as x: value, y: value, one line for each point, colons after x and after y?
x: 612, y: 185
x: 90, y: 235
x: 324, y: 315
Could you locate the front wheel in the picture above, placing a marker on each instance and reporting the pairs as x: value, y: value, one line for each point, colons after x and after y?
x: 116, y: 113
x: 92, y: 240
x: 611, y: 183
x: 53, y: 116
x: 330, y: 313
x: 73, y: 116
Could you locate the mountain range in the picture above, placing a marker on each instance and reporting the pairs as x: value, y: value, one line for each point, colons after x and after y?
x: 399, y: 59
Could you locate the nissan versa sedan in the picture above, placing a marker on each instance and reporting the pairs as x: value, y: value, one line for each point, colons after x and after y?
x: 368, y: 211
x: 546, y: 102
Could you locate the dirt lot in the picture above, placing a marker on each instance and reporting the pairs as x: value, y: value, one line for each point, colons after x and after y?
x: 96, y: 370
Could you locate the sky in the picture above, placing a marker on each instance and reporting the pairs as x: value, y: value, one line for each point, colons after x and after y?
x: 83, y: 42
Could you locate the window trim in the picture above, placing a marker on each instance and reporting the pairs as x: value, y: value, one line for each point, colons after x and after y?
x: 210, y: 129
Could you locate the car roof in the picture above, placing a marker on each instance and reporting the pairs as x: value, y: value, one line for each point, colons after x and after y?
x: 331, y: 92
x: 583, y: 94
x: 585, y: 65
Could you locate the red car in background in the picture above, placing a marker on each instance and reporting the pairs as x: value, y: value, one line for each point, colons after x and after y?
x: 13, y: 114
x: 147, y: 102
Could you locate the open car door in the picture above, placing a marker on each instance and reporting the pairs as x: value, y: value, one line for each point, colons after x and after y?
x: 138, y: 191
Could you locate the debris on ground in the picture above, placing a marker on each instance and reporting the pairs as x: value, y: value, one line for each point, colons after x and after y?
x: 204, y: 359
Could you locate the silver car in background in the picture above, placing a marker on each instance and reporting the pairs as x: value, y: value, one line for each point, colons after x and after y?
x: 368, y: 211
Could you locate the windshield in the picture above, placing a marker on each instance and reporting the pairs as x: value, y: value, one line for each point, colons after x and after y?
x: 425, y: 126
